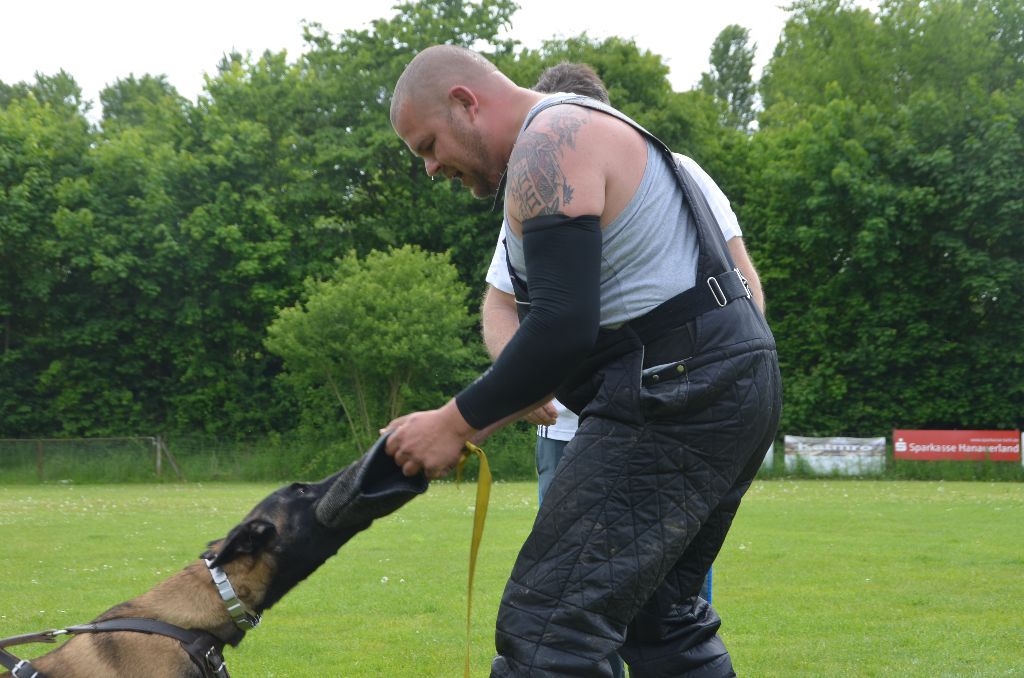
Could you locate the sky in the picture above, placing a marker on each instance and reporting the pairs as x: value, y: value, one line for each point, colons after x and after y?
x: 99, y: 41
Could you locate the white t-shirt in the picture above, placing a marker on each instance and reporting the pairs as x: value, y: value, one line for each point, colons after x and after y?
x: 498, y: 277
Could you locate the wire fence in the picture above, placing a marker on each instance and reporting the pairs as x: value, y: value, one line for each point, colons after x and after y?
x: 120, y: 459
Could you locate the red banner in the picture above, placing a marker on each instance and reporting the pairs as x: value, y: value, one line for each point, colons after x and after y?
x: 932, y: 445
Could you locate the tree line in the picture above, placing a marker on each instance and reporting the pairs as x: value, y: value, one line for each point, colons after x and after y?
x: 270, y: 258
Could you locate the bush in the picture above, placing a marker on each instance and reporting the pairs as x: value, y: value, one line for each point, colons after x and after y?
x: 383, y: 336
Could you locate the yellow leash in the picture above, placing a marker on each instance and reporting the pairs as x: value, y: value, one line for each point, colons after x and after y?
x: 483, y: 496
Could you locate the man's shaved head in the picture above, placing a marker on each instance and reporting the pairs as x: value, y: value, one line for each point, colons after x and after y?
x: 428, y: 77
x: 454, y: 109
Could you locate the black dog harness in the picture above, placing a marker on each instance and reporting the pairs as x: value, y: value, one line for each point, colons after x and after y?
x: 205, y: 649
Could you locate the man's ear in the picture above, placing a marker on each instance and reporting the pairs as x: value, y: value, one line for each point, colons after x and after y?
x: 246, y: 539
x: 464, y: 97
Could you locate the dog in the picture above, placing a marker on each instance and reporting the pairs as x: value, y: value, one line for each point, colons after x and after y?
x: 179, y: 628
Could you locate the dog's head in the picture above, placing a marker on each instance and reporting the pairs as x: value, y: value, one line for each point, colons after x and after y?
x: 294, y: 530
x: 278, y: 544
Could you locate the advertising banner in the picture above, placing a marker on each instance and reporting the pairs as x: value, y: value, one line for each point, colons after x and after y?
x: 960, y: 445
x: 846, y: 456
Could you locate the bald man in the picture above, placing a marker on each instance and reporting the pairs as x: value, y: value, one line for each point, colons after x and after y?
x: 634, y: 314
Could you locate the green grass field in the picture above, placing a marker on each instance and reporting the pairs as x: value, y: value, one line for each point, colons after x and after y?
x: 818, y: 578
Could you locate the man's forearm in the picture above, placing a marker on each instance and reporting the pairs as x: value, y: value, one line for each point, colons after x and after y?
x: 498, y: 319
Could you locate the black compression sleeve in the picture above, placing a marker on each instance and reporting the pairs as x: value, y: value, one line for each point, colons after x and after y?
x: 563, y: 265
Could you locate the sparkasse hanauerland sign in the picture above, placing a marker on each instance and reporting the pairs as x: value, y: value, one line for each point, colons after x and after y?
x: 963, y: 445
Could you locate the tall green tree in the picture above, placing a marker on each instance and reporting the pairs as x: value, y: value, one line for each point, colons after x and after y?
x: 829, y: 42
x: 147, y: 103
x: 729, y: 81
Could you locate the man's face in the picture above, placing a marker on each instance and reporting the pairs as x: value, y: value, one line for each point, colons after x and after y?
x: 450, y: 146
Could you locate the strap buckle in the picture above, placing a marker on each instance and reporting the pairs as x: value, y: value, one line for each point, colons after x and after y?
x: 746, y: 284
x: 721, y: 298
x: 20, y: 669
x: 717, y: 292
x: 215, y: 660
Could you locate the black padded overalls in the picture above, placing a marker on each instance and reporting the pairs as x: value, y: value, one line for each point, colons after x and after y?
x: 677, y: 409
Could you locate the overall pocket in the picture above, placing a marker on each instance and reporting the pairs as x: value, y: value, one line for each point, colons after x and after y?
x: 664, y: 389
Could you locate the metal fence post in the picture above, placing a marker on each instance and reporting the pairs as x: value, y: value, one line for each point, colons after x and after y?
x: 39, y: 460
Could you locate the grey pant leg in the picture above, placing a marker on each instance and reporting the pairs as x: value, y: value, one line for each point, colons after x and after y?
x: 705, y: 589
x: 549, y: 453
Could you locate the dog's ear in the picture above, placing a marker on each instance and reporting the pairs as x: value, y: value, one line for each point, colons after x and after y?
x: 245, y: 539
x: 209, y: 553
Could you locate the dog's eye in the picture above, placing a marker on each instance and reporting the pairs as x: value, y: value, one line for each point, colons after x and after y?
x: 299, y: 488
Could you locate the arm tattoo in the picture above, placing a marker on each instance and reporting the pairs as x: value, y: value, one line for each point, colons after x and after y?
x: 536, y: 183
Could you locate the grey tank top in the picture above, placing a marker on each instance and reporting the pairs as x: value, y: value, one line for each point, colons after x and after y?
x: 648, y: 253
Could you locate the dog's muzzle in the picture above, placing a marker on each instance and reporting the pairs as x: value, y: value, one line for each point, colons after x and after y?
x: 371, y: 487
